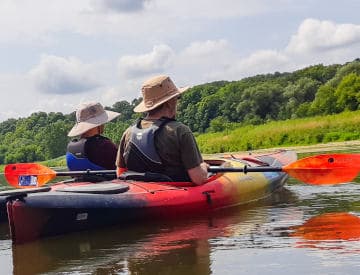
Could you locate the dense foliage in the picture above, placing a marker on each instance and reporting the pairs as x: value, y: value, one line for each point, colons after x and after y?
x: 208, y: 108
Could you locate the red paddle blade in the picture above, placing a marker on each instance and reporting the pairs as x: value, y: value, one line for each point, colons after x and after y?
x: 325, y: 169
x: 28, y: 175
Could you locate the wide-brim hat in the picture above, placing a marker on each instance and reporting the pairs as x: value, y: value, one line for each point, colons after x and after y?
x: 90, y: 115
x: 156, y: 91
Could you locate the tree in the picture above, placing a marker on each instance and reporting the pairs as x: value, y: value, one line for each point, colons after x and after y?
x: 324, y: 102
x: 54, y: 139
x: 124, y: 108
x: 218, y: 124
x: 348, y: 93
x: 295, y: 94
x: 352, y: 67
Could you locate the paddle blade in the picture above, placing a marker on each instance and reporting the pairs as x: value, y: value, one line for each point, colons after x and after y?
x: 28, y: 175
x: 325, y: 169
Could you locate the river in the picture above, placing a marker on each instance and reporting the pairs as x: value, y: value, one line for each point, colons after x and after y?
x: 302, y: 229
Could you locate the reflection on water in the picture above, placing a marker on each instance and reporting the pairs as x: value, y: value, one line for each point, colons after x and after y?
x: 150, y: 248
x: 329, y: 231
x: 301, y: 229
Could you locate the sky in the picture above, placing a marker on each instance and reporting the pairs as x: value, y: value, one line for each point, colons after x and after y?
x: 57, y: 54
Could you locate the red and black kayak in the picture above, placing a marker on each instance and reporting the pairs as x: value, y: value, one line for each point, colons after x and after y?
x: 76, y: 206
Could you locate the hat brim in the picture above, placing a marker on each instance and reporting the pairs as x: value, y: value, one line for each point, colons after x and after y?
x: 141, y: 108
x: 82, y: 127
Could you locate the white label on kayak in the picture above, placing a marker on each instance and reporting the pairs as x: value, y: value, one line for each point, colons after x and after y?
x: 28, y: 180
x: 271, y: 175
x: 81, y: 216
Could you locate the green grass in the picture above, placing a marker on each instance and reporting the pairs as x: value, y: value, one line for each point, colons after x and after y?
x: 56, y: 162
x: 307, y: 131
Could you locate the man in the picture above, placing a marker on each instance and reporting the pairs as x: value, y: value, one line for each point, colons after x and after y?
x: 158, y: 143
x: 91, y: 150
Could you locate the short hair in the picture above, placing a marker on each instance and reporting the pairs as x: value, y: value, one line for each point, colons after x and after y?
x: 157, y: 109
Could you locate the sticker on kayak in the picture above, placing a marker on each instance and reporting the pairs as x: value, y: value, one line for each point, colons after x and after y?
x: 271, y: 175
x: 81, y: 216
x: 28, y: 180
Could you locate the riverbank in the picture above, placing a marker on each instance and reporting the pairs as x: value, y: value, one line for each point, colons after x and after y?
x: 323, y: 148
x: 296, y: 133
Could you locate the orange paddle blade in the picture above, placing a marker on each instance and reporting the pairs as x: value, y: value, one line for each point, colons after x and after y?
x: 28, y: 175
x: 325, y: 169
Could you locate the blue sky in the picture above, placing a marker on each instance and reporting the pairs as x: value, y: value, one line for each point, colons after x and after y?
x: 56, y: 54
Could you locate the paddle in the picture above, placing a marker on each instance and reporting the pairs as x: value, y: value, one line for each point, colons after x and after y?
x: 317, y: 170
x: 320, y: 169
x: 30, y: 175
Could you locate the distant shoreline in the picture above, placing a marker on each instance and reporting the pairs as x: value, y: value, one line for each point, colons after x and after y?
x: 301, y: 149
x: 331, y: 146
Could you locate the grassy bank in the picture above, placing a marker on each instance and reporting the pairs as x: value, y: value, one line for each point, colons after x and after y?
x: 308, y: 131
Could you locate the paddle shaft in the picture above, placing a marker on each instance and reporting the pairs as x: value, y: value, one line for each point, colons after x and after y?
x: 213, y: 169
x: 245, y: 169
x: 86, y: 172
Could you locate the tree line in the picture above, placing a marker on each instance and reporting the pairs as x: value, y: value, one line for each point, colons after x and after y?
x: 210, y: 107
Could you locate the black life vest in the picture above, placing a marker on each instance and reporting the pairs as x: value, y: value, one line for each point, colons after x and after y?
x: 140, y: 155
x: 76, y: 158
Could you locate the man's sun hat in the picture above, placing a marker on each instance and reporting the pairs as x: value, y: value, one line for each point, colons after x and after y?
x: 156, y: 91
x: 90, y: 115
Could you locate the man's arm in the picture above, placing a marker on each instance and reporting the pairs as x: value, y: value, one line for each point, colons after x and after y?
x: 198, y: 174
x: 120, y: 162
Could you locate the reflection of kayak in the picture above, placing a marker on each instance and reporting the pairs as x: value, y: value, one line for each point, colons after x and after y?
x: 328, y: 227
x: 146, y: 248
x: 78, y: 206
x: 3, y: 214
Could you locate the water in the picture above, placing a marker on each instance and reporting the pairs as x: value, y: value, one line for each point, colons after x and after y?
x: 302, y: 229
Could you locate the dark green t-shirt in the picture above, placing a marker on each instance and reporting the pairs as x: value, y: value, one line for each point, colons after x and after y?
x: 174, y: 143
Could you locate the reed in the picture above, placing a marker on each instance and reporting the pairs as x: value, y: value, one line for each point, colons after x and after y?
x: 307, y: 131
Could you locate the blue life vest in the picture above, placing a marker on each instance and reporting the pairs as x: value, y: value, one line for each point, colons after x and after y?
x: 76, y: 158
x: 141, y: 155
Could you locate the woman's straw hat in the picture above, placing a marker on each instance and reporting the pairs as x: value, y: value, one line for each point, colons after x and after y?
x: 90, y: 115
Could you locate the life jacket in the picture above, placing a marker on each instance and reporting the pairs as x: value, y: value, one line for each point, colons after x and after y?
x: 140, y: 154
x: 76, y: 158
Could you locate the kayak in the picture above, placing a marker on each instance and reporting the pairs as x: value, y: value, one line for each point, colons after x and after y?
x: 75, y: 206
x: 7, y: 195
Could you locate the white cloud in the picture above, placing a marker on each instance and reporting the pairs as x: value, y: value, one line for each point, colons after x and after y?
x: 235, y: 68
x: 315, y: 42
x: 262, y: 61
x: 59, y: 75
x: 158, y: 60
x: 120, y: 5
x: 214, y: 9
x: 18, y: 96
x: 201, y: 61
x: 315, y: 36
x: 205, y: 48
x: 23, y: 22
